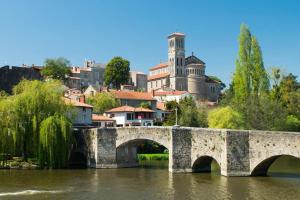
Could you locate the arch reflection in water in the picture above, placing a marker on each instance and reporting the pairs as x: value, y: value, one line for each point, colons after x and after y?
x: 206, y: 164
x: 278, y: 165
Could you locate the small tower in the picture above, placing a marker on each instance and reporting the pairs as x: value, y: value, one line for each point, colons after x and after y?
x: 176, y: 60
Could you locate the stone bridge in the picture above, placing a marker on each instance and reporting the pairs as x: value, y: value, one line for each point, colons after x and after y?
x: 238, y: 152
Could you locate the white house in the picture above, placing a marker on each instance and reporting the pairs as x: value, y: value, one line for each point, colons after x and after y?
x: 130, y: 116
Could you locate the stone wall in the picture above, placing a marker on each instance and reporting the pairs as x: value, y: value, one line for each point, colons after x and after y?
x: 11, y: 76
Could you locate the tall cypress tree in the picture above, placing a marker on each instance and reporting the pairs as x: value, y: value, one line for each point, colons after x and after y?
x: 241, y: 78
x: 259, y: 77
x: 250, y: 80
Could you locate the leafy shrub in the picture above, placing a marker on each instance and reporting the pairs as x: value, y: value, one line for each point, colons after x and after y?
x: 225, y: 117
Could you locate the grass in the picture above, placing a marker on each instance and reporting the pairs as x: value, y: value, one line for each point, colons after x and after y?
x: 158, y: 156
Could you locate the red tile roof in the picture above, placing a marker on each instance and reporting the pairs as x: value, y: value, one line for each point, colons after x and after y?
x: 119, y: 94
x: 159, y: 66
x: 128, y: 109
x: 169, y: 93
x: 96, y: 117
x: 76, y: 103
x: 158, y: 76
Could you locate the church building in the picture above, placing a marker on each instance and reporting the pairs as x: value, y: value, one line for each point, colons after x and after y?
x: 183, y: 73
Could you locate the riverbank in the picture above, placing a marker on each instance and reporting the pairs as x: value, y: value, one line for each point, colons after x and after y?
x: 156, y: 156
x: 19, y: 163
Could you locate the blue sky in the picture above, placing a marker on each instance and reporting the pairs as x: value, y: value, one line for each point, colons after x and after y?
x: 32, y: 30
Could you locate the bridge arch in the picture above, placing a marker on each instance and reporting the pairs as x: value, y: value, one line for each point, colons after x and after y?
x: 158, y: 135
x: 78, y: 160
x: 261, y: 169
x: 204, y: 164
x: 126, y: 153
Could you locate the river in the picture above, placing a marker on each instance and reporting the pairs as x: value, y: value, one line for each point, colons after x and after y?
x: 147, y: 183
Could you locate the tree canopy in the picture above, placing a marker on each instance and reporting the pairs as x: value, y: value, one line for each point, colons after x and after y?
x: 103, y: 101
x: 57, y: 68
x: 225, y: 117
x: 117, y: 72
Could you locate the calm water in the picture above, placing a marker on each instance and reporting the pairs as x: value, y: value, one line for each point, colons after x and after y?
x: 142, y: 183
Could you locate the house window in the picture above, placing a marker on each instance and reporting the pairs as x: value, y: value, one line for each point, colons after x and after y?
x: 181, y: 61
x: 177, y: 61
x: 129, y: 116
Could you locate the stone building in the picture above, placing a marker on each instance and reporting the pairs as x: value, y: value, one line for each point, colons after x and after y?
x: 139, y: 80
x: 183, y: 73
x: 90, y: 74
x: 11, y: 76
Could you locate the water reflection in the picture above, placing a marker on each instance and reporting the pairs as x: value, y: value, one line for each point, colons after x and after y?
x: 141, y: 183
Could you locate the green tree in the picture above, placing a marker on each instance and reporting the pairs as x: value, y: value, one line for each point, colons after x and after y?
x: 57, y: 68
x: 117, y: 72
x: 276, y: 77
x: 250, y: 77
x: 7, y: 145
x: 171, y: 118
x: 187, y: 112
x: 145, y: 105
x: 259, y: 78
x: 292, y: 123
x: 23, y: 113
x: 225, y: 117
x: 241, y: 77
x: 103, y: 101
x: 250, y: 84
x: 55, y: 142
x: 289, y: 95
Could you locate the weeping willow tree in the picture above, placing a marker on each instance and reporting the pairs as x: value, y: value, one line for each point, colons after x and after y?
x: 34, y: 101
x: 6, y: 132
x: 55, y: 142
x: 26, y: 116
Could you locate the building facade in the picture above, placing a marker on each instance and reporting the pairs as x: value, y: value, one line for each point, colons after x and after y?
x: 183, y: 73
x: 139, y: 80
x: 90, y: 74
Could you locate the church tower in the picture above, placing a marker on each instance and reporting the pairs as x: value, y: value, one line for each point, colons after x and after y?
x: 176, y: 61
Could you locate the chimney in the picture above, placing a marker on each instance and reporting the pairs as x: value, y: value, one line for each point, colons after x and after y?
x: 82, y: 99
